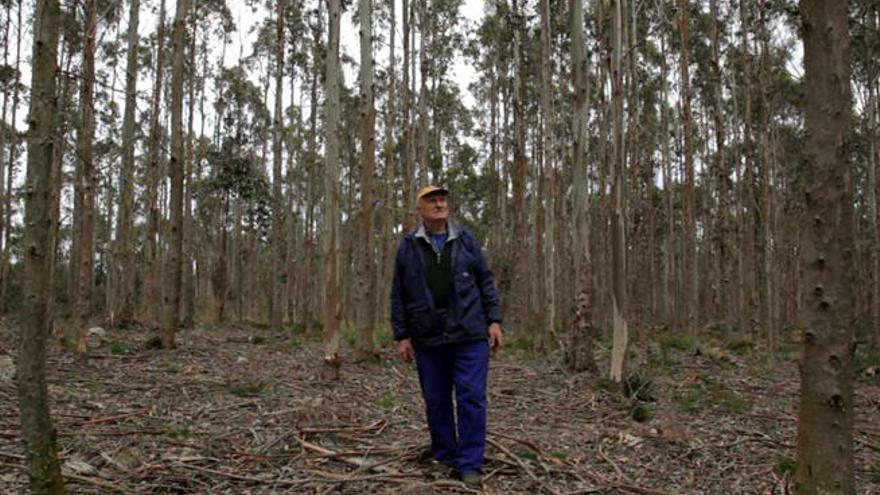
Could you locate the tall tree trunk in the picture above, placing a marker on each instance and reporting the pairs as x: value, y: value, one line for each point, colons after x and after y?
x: 547, y: 145
x: 189, y: 288
x: 390, y: 214
x: 582, y: 340
x: 406, y: 150
x: 3, y: 239
x: 37, y: 430
x: 873, y: 208
x: 332, y: 299
x: 10, y: 172
x: 175, y: 165
x: 125, y: 236
x: 690, y: 282
x: 424, y: 32
x: 825, y: 419
x: 276, y: 311
x: 721, y: 169
x: 747, y: 299
x: 618, y: 223
x: 86, y: 182
x: 768, y: 296
x: 151, y: 280
x: 520, y: 279
x: 668, y: 193
x: 366, y: 277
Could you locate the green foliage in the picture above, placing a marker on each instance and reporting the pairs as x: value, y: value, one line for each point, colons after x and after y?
x: 67, y: 343
x: 640, y: 413
x: 740, y: 346
x: 676, y: 341
x: 120, y: 348
x: 785, y: 466
x: 247, y: 389
x: 707, y: 393
x: 527, y: 454
x: 387, y: 401
x: 178, y: 432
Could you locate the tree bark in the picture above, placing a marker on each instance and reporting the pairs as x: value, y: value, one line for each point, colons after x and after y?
x: 151, y: 280
x: 125, y: 244
x: 332, y: 300
x: 366, y: 312
x: 690, y: 282
x: 10, y: 172
x: 825, y: 420
x: 86, y: 183
x: 582, y: 339
x: 549, y: 169
x: 37, y: 430
x: 276, y: 312
x: 618, y: 223
x: 175, y: 166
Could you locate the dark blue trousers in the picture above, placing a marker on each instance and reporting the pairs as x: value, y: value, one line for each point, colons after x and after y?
x: 460, y: 368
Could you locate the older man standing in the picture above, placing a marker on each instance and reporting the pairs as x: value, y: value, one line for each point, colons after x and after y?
x: 445, y: 314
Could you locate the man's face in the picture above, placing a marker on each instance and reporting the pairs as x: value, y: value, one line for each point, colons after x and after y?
x: 433, y: 207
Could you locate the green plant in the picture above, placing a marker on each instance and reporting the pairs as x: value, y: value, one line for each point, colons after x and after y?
x: 784, y: 465
x: 640, y: 413
x: 527, y: 454
x: 247, y: 389
x: 676, y: 341
x: 178, y: 432
x: 387, y: 401
x: 119, y: 348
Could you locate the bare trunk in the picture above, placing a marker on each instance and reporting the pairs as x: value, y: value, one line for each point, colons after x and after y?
x: 547, y: 145
x: 519, y: 281
x: 125, y: 251
x: 366, y: 277
x: 582, y: 338
x: 10, y: 173
x: 276, y: 311
x: 151, y: 280
x: 825, y: 419
x: 690, y: 282
x: 176, y: 166
x: 332, y: 302
x: 618, y: 225
x: 86, y: 182
x: 37, y: 430
x: 189, y: 288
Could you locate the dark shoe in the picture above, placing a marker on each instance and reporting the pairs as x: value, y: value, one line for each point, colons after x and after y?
x: 472, y: 479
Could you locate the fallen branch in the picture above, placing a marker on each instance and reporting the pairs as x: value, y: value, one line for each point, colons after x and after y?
x: 523, y: 465
x: 101, y: 483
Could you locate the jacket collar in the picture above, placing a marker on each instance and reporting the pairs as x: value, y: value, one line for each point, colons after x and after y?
x: 451, y: 228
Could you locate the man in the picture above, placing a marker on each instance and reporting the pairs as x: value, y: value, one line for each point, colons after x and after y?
x: 445, y: 314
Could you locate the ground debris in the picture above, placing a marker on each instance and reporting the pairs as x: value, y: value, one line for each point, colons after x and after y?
x: 242, y: 410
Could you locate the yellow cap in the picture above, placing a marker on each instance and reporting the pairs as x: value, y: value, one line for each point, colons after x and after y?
x: 430, y: 190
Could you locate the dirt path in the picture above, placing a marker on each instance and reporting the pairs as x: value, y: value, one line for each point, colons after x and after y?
x: 240, y: 410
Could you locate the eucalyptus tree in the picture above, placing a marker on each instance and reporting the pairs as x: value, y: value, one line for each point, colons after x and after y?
x: 825, y: 418
x: 366, y: 276
x: 278, y: 232
x: 581, y: 345
x: 152, y: 289
x: 618, y: 222
x: 10, y: 169
x: 174, y: 271
x: 125, y: 249
x: 36, y: 425
x: 332, y: 231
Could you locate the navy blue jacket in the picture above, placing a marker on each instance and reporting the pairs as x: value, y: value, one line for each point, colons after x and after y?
x: 473, y: 304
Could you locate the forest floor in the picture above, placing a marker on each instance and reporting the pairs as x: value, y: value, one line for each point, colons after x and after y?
x: 238, y: 410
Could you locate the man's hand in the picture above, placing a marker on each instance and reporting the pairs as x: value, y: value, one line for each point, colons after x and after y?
x: 406, y: 351
x: 496, y: 339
